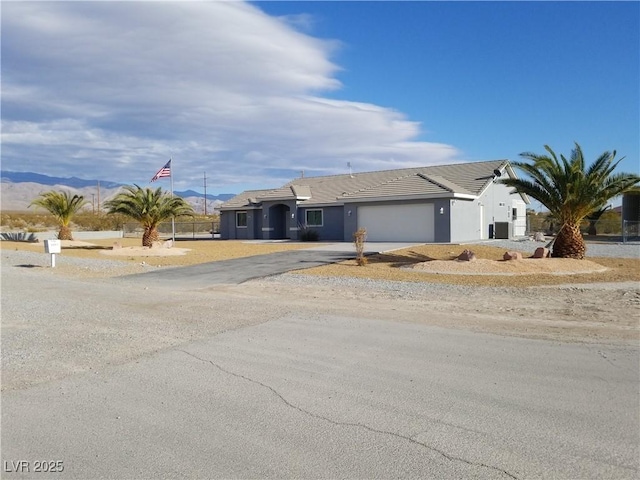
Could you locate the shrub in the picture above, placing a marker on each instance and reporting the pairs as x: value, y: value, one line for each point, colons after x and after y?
x: 359, y: 237
x: 308, y: 234
x: 19, y: 237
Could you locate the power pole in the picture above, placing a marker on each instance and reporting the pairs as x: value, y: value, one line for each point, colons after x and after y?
x: 205, y: 194
x: 98, y: 196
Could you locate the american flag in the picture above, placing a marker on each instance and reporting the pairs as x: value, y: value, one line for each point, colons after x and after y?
x: 163, y: 172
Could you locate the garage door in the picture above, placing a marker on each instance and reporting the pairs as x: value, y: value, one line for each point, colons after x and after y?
x: 398, y: 223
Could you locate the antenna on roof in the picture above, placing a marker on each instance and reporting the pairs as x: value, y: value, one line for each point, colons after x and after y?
x: 301, y: 173
x: 349, y: 165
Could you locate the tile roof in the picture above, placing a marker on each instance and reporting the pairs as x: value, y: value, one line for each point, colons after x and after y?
x: 243, y: 200
x: 462, y: 178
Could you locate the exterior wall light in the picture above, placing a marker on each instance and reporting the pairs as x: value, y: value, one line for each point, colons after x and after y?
x: 441, y: 210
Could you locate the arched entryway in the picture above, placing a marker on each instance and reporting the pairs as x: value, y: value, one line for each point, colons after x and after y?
x: 278, y: 221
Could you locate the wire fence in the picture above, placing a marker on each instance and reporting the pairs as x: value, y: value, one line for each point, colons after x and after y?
x: 630, y: 231
x: 607, y: 225
x: 184, y: 230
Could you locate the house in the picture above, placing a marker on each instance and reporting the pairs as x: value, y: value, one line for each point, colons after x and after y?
x: 444, y: 203
x: 630, y: 210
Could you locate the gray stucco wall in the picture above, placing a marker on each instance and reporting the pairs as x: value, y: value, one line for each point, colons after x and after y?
x: 442, y: 221
x: 466, y: 223
x: 332, y: 222
x: 350, y: 221
x: 226, y: 231
x: 631, y: 207
x: 497, y: 200
x: 229, y: 231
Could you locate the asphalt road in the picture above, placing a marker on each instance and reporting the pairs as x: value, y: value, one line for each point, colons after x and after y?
x: 338, y: 397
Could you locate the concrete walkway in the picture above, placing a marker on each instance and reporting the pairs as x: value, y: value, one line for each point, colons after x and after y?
x: 240, y: 270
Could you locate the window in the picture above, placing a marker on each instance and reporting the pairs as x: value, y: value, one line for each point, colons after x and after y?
x: 241, y: 219
x: 314, y: 218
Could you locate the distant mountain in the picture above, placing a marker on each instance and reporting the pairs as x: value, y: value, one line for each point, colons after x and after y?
x: 19, y: 189
x: 223, y: 197
x: 74, y: 182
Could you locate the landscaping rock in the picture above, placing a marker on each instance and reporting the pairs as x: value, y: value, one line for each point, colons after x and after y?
x: 541, y: 252
x: 512, y: 256
x: 168, y: 244
x: 539, y: 237
x: 117, y: 246
x: 467, y: 256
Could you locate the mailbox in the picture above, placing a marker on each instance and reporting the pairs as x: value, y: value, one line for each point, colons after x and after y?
x: 52, y: 246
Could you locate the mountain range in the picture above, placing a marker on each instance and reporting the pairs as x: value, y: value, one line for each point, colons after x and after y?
x: 19, y: 189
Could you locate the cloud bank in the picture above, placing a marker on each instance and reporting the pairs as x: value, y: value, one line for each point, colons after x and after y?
x: 110, y: 90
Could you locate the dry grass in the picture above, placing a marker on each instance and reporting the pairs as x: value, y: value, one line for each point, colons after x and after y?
x: 382, y: 266
x: 201, y: 251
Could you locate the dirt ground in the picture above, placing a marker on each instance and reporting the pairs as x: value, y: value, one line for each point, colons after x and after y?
x: 595, y: 300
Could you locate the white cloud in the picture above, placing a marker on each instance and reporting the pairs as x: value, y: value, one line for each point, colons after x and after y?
x: 109, y: 90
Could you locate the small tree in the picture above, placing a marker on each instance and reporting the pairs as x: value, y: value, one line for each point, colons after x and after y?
x: 63, y: 206
x: 359, y: 237
x: 149, y: 207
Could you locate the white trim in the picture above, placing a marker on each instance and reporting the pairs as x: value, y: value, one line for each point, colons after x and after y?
x: 306, y: 217
x: 236, y: 208
x: 321, y: 205
x: 246, y: 217
x: 267, y: 229
x: 293, y: 229
x: 461, y: 196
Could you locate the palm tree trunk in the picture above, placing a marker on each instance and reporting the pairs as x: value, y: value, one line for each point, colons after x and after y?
x: 149, y: 236
x: 569, y: 243
x: 65, y: 233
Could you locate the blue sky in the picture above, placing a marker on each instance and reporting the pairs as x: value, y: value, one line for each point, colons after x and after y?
x: 253, y: 93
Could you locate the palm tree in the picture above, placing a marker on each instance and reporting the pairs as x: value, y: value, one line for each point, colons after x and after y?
x: 570, y: 191
x: 149, y: 207
x: 63, y: 207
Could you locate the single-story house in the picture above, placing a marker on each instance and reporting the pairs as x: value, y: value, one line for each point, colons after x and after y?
x: 444, y: 203
x: 631, y: 214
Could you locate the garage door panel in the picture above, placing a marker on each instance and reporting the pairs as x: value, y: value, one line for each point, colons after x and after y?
x: 398, y: 223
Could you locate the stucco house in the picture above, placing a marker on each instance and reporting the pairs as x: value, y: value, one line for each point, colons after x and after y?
x: 445, y: 203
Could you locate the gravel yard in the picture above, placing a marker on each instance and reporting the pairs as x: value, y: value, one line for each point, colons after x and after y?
x: 594, y: 249
x: 79, y: 317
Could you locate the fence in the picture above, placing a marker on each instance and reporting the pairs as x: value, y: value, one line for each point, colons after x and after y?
x: 184, y: 230
x: 630, y: 231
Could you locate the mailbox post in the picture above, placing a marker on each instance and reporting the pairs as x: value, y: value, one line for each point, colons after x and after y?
x: 52, y: 247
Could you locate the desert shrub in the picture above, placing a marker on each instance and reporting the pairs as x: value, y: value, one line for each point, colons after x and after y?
x: 359, y: 237
x: 308, y: 234
x: 99, y: 221
x: 19, y: 237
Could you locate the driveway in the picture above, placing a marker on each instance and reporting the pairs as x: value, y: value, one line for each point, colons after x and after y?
x: 240, y: 270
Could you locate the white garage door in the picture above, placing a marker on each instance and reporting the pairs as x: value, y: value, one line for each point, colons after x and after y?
x: 398, y: 223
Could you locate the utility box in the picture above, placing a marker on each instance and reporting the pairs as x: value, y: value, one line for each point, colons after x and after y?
x: 503, y: 230
x: 52, y: 246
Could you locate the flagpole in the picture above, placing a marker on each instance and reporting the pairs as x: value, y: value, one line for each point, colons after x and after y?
x: 173, y: 218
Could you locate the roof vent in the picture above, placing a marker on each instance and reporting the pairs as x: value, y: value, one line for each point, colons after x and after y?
x: 497, y: 173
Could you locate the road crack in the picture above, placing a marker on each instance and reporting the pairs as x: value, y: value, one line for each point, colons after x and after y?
x: 350, y: 424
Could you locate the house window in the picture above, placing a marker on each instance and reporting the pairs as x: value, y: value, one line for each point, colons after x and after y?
x: 241, y: 219
x: 314, y: 218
